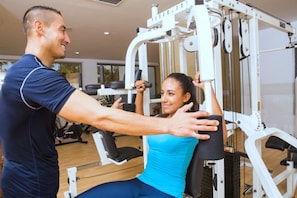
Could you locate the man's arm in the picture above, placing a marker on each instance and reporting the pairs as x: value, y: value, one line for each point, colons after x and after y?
x: 82, y: 108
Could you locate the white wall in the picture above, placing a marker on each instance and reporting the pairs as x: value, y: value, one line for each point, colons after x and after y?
x: 89, y: 66
x: 277, y: 75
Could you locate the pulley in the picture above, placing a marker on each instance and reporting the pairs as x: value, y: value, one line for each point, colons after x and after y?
x: 227, y: 41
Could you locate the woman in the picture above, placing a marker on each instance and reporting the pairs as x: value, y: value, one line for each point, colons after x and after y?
x: 168, y: 156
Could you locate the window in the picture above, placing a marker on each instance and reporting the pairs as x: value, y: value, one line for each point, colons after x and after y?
x: 4, y: 67
x: 117, y: 72
x: 111, y: 73
x: 71, y: 71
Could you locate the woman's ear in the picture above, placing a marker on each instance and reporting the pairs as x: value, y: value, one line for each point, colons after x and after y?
x: 187, y: 97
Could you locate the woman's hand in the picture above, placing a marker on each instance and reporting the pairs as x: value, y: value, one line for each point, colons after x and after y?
x: 117, y: 104
x: 140, y: 85
x: 197, y: 81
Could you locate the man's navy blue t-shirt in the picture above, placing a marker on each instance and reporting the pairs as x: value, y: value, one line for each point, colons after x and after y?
x: 31, y: 96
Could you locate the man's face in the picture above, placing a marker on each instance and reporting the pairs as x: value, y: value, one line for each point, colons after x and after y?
x: 56, y: 38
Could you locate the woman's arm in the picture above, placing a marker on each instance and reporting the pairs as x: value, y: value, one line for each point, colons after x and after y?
x: 140, y: 88
x: 81, y: 107
x: 216, y: 109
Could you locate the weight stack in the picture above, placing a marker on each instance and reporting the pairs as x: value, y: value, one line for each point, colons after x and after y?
x: 206, y: 184
x: 232, y: 177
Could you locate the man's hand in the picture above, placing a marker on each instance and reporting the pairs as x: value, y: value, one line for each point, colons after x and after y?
x: 186, y: 123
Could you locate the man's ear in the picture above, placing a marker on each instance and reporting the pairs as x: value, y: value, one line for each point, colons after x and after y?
x: 39, y: 27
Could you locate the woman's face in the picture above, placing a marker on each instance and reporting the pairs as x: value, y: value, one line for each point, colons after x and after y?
x: 172, y: 97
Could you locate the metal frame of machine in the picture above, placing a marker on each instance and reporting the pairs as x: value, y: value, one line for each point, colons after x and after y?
x: 200, y: 26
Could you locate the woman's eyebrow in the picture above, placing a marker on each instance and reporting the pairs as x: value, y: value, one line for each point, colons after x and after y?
x: 63, y: 27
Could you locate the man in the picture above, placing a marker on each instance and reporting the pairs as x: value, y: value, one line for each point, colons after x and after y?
x: 33, y: 94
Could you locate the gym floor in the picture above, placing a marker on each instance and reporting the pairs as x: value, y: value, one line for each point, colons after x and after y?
x: 77, y: 154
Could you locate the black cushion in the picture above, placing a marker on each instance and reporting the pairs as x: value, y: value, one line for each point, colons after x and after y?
x: 109, y: 144
x: 194, y: 175
x: 213, y: 148
x: 207, y: 149
x: 274, y: 142
x: 91, y: 89
x: 118, y: 154
x: 117, y: 84
x: 91, y: 92
x: 93, y: 86
x: 127, y: 153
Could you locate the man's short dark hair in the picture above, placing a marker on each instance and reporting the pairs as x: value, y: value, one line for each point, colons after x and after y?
x: 27, y: 16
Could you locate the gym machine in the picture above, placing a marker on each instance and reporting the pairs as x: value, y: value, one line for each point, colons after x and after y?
x: 204, y: 28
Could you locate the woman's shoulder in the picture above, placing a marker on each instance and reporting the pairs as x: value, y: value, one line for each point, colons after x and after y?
x: 165, y: 115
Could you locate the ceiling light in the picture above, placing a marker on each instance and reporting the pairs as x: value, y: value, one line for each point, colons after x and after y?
x: 106, y: 33
x: 109, y: 2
